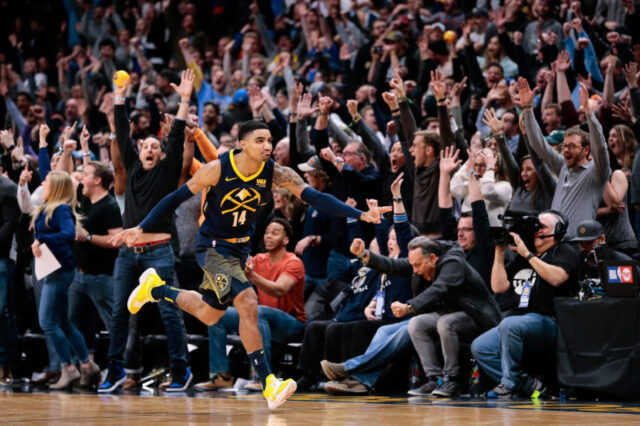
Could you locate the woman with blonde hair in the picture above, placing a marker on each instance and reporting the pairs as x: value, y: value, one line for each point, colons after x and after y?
x: 54, y: 223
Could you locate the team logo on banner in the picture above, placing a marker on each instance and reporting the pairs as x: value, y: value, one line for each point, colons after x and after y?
x: 620, y: 274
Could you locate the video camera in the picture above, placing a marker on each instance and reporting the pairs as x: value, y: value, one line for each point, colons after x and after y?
x: 524, y: 224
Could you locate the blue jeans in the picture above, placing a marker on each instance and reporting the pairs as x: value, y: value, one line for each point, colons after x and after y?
x: 390, y: 342
x: 499, y: 350
x: 8, y: 329
x: 128, y: 268
x: 54, y: 318
x: 274, y: 325
x: 86, y: 289
x: 54, y: 361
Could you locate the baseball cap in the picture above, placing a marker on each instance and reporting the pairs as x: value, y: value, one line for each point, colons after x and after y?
x: 312, y: 163
x: 394, y: 36
x: 588, y: 230
x: 479, y: 11
x: 555, y: 137
x: 439, y: 25
x: 241, y: 97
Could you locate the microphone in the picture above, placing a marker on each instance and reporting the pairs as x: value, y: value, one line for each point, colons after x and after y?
x: 546, y: 236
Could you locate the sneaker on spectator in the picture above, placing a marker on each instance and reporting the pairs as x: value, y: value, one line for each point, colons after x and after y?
x: 535, y: 388
x: 255, y: 386
x: 217, y: 382
x: 447, y: 389
x: 427, y: 388
x: 115, y: 377
x: 131, y: 382
x: 346, y: 387
x: 181, y: 379
x: 500, y: 391
x: 333, y: 370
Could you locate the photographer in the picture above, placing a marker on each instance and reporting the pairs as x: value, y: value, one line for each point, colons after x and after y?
x: 535, y: 278
x: 591, y: 238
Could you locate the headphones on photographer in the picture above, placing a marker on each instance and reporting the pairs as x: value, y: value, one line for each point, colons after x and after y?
x: 561, y: 226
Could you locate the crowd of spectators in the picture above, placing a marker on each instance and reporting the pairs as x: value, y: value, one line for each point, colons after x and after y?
x: 453, y: 112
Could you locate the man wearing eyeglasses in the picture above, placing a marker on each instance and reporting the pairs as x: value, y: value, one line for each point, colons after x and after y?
x: 581, y: 180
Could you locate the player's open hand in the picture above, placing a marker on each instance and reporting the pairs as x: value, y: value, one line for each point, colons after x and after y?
x: 374, y: 214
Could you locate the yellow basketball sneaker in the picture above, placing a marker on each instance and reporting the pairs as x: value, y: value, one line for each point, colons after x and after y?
x: 142, y: 293
x: 277, y: 390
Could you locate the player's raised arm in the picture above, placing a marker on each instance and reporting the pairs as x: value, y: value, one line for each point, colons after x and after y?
x: 288, y: 179
x: 205, y: 176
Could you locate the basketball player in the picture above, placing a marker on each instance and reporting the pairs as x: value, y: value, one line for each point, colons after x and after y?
x: 236, y: 186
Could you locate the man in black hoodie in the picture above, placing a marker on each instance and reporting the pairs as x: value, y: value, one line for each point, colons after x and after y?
x: 443, y: 283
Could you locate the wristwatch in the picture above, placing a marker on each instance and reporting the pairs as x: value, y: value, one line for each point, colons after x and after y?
x: 313, y: 239
x: 411, y: 310
x: 89, y: 238
x: 530, y: 255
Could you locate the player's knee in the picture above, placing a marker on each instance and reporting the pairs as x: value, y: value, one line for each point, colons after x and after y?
x: 209, y: 316
x: 247, y: 304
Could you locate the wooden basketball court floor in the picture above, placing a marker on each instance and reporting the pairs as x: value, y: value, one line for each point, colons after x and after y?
x: 304, y: 408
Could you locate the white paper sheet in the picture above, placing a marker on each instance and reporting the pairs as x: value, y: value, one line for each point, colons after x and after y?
x: 46, y: 263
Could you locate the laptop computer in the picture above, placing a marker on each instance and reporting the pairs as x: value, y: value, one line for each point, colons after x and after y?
x: 620, y: 278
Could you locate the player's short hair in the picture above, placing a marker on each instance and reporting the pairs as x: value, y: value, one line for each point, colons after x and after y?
x: 288, y: 229
x: 249, y: 127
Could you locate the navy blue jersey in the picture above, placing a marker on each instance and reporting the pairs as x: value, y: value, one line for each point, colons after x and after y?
x: 230, y: 206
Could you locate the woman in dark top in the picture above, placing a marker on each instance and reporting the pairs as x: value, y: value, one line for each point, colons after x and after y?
x: 54, y: 224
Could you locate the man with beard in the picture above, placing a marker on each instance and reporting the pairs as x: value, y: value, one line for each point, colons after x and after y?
x: 581, y: 182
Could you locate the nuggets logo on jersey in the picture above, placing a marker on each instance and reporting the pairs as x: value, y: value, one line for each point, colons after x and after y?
x: 222, y: 282
x: 237, y: 198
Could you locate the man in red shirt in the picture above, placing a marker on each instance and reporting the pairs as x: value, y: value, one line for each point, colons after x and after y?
x: 278, y: 276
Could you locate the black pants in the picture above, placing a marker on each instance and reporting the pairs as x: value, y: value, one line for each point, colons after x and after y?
x: 335, y: 342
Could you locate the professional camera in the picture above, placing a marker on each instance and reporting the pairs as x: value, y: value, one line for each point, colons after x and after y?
x: 524, y: 224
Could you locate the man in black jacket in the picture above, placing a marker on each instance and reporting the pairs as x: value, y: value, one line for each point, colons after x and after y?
x: 443, y: 283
